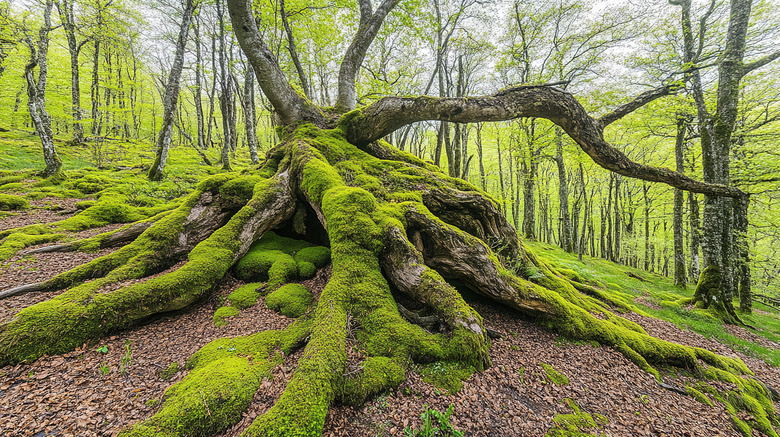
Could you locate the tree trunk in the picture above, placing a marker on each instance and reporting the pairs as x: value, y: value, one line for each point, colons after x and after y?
x: 171, y: 97
x: 36, y: 93
x: 65, y: 8
x: 249, y: 114
x: 567, y: 240
x: 680, y: 278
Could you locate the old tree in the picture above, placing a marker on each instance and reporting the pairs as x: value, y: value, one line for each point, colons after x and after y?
x: 400, y: 232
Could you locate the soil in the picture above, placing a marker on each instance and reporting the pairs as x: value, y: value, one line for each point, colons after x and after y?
x: 89, y: 392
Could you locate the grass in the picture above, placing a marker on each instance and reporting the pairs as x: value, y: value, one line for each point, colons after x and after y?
x: 660, y: 291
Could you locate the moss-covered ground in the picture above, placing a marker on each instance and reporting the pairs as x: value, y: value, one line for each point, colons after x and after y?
x: 361, y: 199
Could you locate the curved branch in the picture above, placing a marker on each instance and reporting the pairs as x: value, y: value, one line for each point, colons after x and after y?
x: 288, y: 104
x: 556, y: 105
x: 353, y: 58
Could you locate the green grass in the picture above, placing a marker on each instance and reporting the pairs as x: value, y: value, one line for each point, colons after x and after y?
x: 661, y: 291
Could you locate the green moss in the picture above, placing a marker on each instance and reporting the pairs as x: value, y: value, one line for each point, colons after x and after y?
x: 575, y: 424
x: 447, y: 376
x: 84, y: 204
x: 9, y: 202
x: 306, y: 270
x: 224, y: 313
x: 699, y: 396
x: 245, y: 296
x: 224, y: 376
x: 18, y: 241
x: 317, y: 255
x: 292, y: 300
x: 12, y: 187
x: 271, y: 259
x: 555, y: 376
x: 376, y: 375
x: 170, y: 371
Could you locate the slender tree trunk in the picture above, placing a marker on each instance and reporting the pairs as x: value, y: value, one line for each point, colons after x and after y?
x: 198, y: 90
x: 171, y: 97
x: 95, y: 88
x: 501, y: 172
x: 249, y: 113
x: 480, y: 156
x: 680, y: 278
x: 36, y: 92
x: 65, y: 8
x: 530, y: 168
x: 567, y: 241
x: 293, y: 53
x: 618, y: 222
x: 226, y: 92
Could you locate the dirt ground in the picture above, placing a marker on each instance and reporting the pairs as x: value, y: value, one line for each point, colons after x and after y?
x: 90, y: 392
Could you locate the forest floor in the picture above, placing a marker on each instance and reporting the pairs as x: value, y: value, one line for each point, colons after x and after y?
x: 115, y: 382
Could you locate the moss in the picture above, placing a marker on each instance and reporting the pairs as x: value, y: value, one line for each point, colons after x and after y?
x: 292, y: 300
x: 271, y: 259
x: 9, y: 202
x: 224, y: 313
x: 18, y: 241
x: 245, y: 296
x: 555, y: 376
x: 306, y: 270
x: 575, y: 424
x: 699, y: 396
x: 447, y: 376
x: 317, y: 255
x: 84, y: 204
x: 170, y: 371
x: 12, y: 187
x: 224, y: 376
x: 377, y: 375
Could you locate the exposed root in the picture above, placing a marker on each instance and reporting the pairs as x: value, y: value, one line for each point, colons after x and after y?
x: 394, y: 224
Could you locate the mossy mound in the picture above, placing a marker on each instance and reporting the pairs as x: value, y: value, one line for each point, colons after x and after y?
x: 224, y: 313
x: 292, y: 300
x: 9, y: 202
x: 246, y: 295
x: 15, y: 186
x: 279, y: 260
x: 575, y: 424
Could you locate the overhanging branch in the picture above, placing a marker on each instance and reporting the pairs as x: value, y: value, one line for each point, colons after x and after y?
x: 556, y: 105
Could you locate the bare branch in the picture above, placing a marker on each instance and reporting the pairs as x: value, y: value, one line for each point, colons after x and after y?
x: 639, y: 101
x: 556, y: 105
x: 747, y: 68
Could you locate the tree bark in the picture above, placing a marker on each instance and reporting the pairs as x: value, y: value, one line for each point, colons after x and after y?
x: 249, y: 114
x: 171, y: 97
x: 36, y: 92
x: 680, y: 278
x: 68, y: 19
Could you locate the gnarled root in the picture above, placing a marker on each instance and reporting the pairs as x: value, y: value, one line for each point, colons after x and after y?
x: 399, y: 230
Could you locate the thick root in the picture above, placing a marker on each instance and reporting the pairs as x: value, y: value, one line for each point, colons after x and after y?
x: 85, y: 311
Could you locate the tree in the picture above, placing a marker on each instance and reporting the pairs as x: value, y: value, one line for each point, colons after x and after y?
x: 68, y: 20
x: 171, y: 96
x: 36, y: 91
x: 394, y: 223
x: 717, y: 283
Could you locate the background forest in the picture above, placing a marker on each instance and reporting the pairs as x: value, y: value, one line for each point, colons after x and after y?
x: 113, y: 58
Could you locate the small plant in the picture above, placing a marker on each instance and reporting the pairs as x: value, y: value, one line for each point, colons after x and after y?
x: 104, y: 369
x: 429, y: 428
x: 127, y: 360
x: 102, y: 349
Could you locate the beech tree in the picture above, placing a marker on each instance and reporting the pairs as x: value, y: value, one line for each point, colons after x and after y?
x: 171, y: 95
x: 36, y: 91
x: 718, y: 281
x: 396, y: 226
